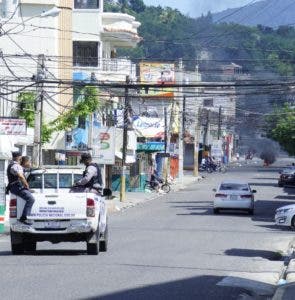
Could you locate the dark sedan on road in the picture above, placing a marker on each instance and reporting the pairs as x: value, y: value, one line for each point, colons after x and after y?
x: 287, y: 177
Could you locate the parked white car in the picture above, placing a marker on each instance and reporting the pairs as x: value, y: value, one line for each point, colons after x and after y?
x: 234, y: 195
x: 59, y: 215
x: 285, y: 216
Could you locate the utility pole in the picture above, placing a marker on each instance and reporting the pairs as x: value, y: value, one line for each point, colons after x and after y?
x: 166, y: 159
x: 184, y: 116
x: 125, y: 142
x: 205, y: 140
x: 219, y: 122
x: 93, y: 80
x: 37, y: 148
x: 181, y: 128
x: 196, y: 143
x: 166, y: 128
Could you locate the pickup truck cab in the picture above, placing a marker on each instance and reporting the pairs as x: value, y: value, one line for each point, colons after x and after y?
x: 59, y: 214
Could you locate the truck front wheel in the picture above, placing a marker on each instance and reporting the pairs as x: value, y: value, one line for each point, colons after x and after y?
x: 92, y: 249
x: 17, y: 243
x: 30, y: 246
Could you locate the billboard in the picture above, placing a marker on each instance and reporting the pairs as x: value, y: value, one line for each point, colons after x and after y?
x: 104, y: 140
x: 157, y: 73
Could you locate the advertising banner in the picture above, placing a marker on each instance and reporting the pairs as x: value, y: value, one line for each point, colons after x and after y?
x: 157, y: 73
x: 104, y: 145
x: 13, y: 126
x: 149, y: 127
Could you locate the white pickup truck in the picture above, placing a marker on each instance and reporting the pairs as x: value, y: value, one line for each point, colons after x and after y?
x: 59, y: 215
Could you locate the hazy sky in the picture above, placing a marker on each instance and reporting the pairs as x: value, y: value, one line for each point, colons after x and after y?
x: 197, y: 7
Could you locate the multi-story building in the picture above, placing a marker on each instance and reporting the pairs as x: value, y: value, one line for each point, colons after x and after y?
x: 95, y: 52
x: 96, y: 37
x: 78, y: 41
x: 30, y: 28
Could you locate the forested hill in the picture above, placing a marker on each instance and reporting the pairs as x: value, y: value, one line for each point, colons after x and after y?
x: 271, y: 13
x: 168, y: 34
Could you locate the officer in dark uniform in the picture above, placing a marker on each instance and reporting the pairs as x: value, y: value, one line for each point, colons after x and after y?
x: 92, y: 179
x: 18, y: 185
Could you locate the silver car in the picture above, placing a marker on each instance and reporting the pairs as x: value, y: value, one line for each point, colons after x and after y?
x: 234, y: 195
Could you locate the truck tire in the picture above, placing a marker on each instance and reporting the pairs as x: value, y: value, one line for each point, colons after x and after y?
x: 30, y: 246
x: 17, y: 243
x: 93, y: 246
x: 103, y: 244
x: 92, y: 249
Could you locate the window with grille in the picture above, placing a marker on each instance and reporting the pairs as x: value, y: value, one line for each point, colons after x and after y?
x: 86, y: 4
x: 85, y: 54
x: 208, y: 103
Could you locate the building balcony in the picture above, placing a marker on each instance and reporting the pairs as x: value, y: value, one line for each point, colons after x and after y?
x: 113, y: 70
x: 120, y: 29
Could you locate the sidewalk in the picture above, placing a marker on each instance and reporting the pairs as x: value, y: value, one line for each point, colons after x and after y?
x: 286, y: 291
x: 136, y: 198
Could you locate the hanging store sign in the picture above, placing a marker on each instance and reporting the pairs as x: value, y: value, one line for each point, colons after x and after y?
x: 149, y: 127
x: 13, y: 126
x: 151, y: 147
x: 104, y: 145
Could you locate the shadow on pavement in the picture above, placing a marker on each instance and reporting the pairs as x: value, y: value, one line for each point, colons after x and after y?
x: 265, y: 254
x: 282, y: 197
x: 201, y: 287
x: 5, y: 253
x: 265, y: 209
x: 59, y: 252
x: 48, y: 253
x: 275, y: 227
x: 289, y: 191
x: 270, y: 170
x: 188, y: 202
x: 265, y: 178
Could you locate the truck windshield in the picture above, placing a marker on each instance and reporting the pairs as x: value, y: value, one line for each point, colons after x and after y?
x: 50, y: 180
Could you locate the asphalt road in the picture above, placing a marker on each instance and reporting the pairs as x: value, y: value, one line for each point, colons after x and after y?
x: 169, y: 248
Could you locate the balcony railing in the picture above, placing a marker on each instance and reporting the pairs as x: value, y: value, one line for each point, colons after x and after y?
x: 108, y: 65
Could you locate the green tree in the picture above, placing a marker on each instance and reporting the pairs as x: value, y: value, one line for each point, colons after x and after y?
x: 26, y: 107
x: 281, y: 127
x: 88, y: 102
x: 137, y: 5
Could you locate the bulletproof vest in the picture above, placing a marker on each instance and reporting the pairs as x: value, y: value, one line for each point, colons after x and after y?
x: 95, y: 179
x: 11, y: 178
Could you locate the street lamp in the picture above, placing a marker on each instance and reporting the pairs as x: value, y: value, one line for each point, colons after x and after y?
x: 53, y: 12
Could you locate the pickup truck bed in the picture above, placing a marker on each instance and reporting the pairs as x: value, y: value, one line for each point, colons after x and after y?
x: 60, y: 218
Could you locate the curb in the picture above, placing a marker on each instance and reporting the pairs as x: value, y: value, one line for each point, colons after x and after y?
x: 289, y: 274
x: 115, y: 205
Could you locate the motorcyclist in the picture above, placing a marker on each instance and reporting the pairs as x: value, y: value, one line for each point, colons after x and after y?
x: 92, y: 179
x: 18, y: 185
x: 155, y: 181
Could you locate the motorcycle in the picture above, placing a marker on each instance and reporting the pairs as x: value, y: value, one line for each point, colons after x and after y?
x: 152, y: 186
x: 211, y: 167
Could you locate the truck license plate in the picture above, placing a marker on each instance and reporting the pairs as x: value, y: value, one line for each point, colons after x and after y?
x: 52, y: 225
